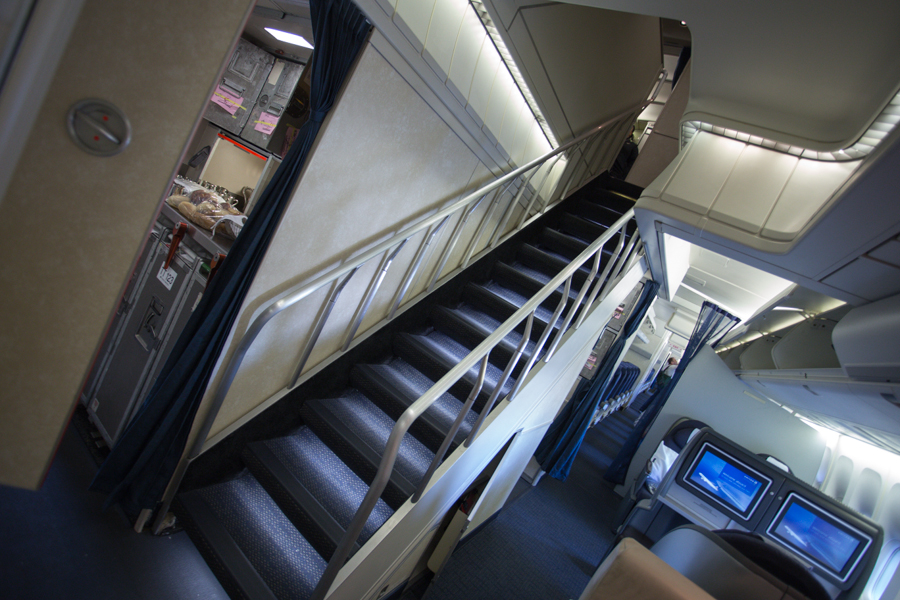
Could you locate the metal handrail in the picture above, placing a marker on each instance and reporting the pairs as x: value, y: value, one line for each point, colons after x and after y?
x: 479, y: 354
x: 302, y: 290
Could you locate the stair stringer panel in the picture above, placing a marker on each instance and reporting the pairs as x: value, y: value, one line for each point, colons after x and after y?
x: 390, y: 556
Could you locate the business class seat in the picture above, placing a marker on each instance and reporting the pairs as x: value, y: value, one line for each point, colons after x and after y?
x: 691, y: 563
x: 675, y: 439
x: 632, y: 572
x: 732, y: 565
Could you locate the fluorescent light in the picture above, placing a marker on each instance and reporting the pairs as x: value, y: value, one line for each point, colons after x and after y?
x: 289, y: 38
x: 741, y: 314
x: 787, y: 308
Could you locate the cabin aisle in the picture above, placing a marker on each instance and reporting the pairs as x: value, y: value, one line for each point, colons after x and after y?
x: 548, y: 542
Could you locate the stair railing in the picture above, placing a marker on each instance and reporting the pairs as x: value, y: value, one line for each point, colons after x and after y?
x: 431, y: 225
x: 481, y: 354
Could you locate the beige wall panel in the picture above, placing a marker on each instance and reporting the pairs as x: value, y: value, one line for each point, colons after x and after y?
x: 72, y: 224
x: 584, y: 65
x: 669, y: 121
x: 483, y: 77
x: 479, y: 178
x: 442, y: 35
x: 413, y: 18
x: 350, y: 198
x: 465, y: 56
x: 657, y: 153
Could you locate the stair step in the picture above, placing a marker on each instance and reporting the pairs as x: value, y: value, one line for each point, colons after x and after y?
x: 562, y: 243
x: 595, y: 213
x: 315, y: 489
x: 397, y: 384
x: 544, y: 259
x: 581, y: 228
x: 436, y: 353
x: 500, y: 302
x: 610, y: 199
x: 471, y: 327
x: 528, y: 282
x: 254, y: 547
x: 357, y: 431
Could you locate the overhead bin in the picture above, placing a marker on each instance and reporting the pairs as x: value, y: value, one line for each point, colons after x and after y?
x: 866, y: 341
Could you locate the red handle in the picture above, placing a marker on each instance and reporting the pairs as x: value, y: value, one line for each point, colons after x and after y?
x: 177, y: 235
x: 214, y: 265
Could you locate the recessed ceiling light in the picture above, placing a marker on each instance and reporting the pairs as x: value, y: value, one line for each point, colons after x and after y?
x: 289, y: 38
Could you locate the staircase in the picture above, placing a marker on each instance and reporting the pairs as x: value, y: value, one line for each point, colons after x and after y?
x: 270, y: 531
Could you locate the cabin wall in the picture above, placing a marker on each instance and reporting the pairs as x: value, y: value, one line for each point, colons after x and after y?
x: 710, y: 392
x: 72, y: 224
x: 383, y: 160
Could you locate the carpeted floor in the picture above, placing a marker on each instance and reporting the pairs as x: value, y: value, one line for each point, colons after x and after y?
x: 547, y: 543
x: 58, y: 543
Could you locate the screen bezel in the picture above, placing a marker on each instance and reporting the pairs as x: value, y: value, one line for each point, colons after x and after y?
x: 844, y: 574
x: 747, y: 513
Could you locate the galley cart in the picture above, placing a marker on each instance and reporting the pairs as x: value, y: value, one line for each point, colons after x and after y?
x: 155, y: 308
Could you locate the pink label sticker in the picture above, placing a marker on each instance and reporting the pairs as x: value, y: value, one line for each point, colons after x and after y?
x: 227, y: 100
x: 266, y: 123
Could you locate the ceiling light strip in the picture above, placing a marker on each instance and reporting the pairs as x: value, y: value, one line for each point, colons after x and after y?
x: 507, y: 58
x: 880, y: 128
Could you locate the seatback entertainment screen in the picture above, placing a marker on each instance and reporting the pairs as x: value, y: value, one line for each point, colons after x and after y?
x: 727, y: 481
x: 821, y: 537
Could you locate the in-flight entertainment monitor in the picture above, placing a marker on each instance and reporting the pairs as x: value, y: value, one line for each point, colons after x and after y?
x: 830, y: 543
x: 726, y: 481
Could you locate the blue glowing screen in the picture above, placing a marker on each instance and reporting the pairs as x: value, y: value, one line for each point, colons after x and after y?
x: 726, y: 481
x: 817, y: 538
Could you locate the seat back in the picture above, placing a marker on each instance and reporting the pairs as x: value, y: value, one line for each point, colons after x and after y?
x: 632, y: 572
x: 724, y: 572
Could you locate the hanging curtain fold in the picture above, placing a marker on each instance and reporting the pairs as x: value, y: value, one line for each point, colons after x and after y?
x: 560, y: 445
x: 143, y: 460
x: 712, y: 325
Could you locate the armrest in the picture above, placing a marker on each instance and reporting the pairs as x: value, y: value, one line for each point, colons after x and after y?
x: 632, y: 572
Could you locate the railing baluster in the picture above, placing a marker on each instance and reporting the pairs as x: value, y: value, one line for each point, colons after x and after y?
x: 602, y: 278
x: 543, y: 339
x: 568, y: 181
x: 498, y: 388
x: 317, y: 329
x: 635, y: 256
x: 448, y: 249
x: 484, y: 222
x: 448, y: 439
x: 540, y: 187
x: 498, y: 231
x: 414, y: 268
x: 586, y: 153
x: 574, y: 308
x: 370, y: 294
x: 622, y: 258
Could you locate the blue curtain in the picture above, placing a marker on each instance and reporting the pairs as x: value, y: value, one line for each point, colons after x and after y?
x: 144, y: 458
x: 560, y: 445
x: 712, y: 325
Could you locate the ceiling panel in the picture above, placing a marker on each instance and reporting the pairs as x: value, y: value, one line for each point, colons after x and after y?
x: 836, y: 49
x: 583, y: 65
